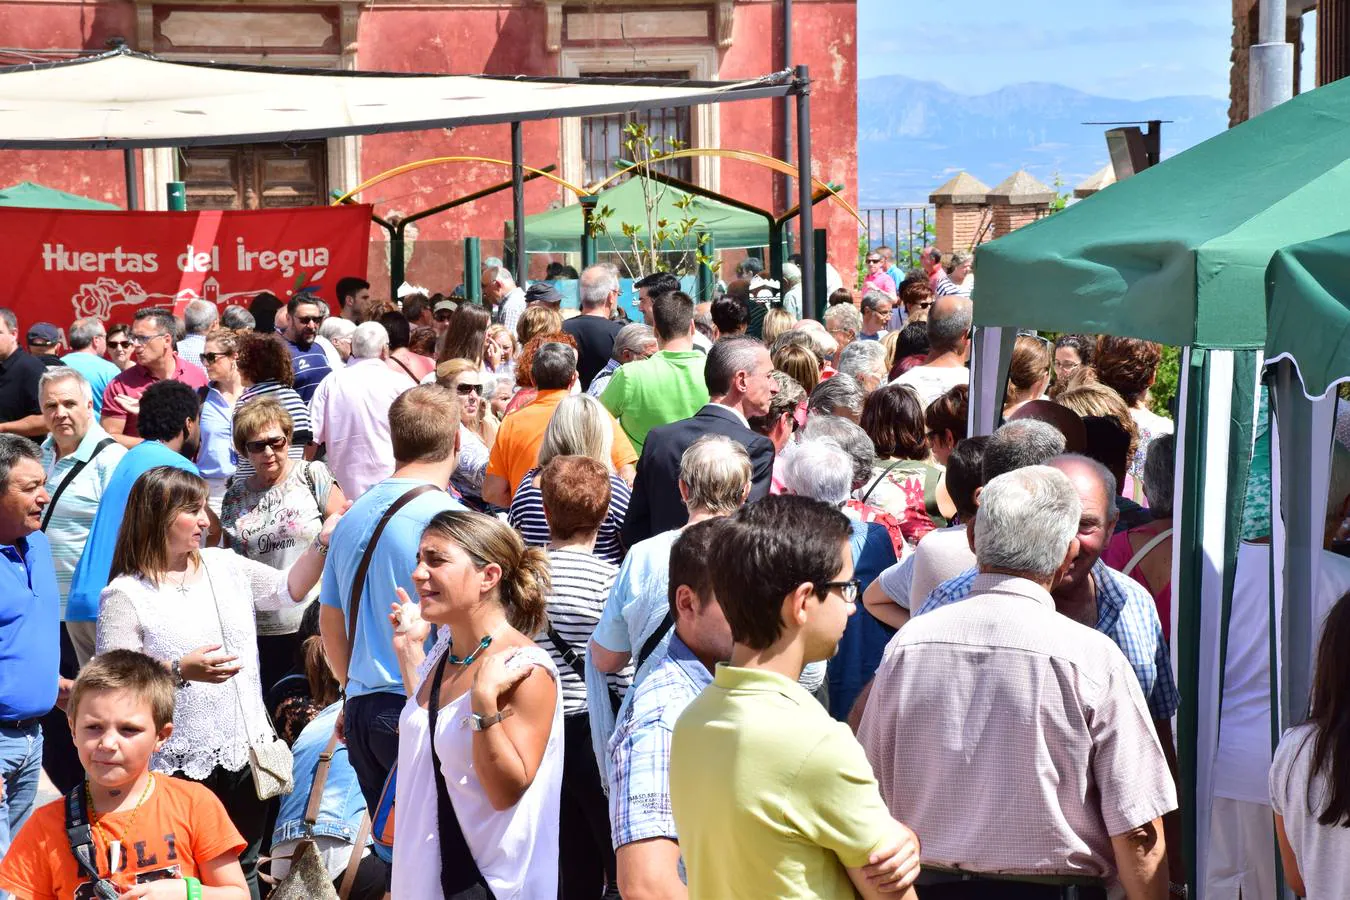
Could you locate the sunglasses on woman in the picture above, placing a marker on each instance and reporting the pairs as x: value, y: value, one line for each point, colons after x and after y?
x: 465, y: 390
x: 119, y: 345
x: 210, y: 358
x: 277, y: 443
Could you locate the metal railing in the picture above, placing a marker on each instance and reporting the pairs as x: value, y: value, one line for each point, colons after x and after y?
x: 905, y: 229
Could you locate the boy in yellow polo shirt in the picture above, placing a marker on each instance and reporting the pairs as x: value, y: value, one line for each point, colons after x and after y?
x: 771, y: 796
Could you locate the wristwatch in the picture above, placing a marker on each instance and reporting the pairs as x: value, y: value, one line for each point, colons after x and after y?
x: 483, y: 723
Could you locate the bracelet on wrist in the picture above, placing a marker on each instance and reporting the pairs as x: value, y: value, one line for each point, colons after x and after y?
x: 194, y: 888
x: 176, y: 667
x: 320, y: 546
x: 1177, y: 889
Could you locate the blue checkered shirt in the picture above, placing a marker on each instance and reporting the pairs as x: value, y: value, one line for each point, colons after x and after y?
x: 1125, y: 614
x: 639, y: 749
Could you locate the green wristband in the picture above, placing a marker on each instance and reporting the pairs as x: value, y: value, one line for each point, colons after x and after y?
x: 194, y: 888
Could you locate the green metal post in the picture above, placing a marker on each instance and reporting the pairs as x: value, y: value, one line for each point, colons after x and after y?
x: 820, y: 297
x: 473, y: 270
x: 175, y: 196
x: 707, y: 278
x: 396, y: 259
x: 776, y: 256
x: 587, y: 236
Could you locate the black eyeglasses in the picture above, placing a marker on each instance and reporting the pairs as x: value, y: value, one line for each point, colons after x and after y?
x: 119, y: 345
x: 210, y: 358
x: 465, y: 390
x: 309, y: 320
x: 847, y: 589
x: 277, y: 443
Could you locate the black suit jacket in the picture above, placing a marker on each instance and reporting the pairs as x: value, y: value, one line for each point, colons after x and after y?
x: 656, y: 505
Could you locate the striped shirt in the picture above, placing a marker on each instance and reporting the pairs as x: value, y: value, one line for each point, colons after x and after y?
x: 73, y: 516
x: 580, y: 586
x: 527, y: 516
x: 302, y: 430
x: 1125, y: 613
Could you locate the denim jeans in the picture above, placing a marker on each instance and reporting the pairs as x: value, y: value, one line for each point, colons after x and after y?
x: 20, y: 767
x: 371, y: 727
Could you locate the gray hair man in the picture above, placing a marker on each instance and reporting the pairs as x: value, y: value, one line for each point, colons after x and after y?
x: 78, y: 459
x: 1027, y: 710
x: 840, y: 395
x: 88, y: 343
x: 595, y: 329
x: 876, y: 315
x: 948, y: 348
x: 339, y: 332
x: 845, y: 433
x: 844, y: 323
x: 350, y: 412
x: 866, y: 361
x: 633, y: 342
x: 198, y: 318
x: 501, y: 291
x: 237, y: 318
x: 29, y: 601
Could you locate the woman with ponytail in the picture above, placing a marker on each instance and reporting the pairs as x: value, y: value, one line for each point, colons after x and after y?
x: 481, y: 738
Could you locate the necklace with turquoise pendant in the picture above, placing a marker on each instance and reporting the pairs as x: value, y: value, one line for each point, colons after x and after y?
x: 467, y: 661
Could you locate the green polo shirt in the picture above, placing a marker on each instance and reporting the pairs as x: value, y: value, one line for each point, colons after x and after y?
x: 772, y: 797
x: 648, y: 393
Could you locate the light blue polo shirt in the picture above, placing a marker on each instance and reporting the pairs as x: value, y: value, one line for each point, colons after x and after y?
x: 68, y: 528
x: 373, y: 668
x: 91, y: 574
x: 97, y: 371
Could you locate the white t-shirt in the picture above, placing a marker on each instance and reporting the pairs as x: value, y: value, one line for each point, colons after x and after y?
x: 932, y: 382
x: 1322, y: 852
x: 1243, y: 758
x: 943, y: 553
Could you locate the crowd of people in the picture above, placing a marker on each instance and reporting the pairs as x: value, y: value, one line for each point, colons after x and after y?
x: 578, y: 597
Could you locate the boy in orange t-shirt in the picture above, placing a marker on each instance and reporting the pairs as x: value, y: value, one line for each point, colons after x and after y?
x: 154, y: 836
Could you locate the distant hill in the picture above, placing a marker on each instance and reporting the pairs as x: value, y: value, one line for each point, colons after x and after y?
x: 914, y: 135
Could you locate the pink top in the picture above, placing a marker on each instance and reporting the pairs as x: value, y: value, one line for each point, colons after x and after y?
x: 880, y: 281
x: 350, y: 412
x: 133, y: 382
x: 1118, y: 554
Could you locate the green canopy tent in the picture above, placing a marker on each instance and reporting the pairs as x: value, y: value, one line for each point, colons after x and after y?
x: 559, y: 230
x: 1308, y: 348
x: 28, y: 194
x: 1178, y: 254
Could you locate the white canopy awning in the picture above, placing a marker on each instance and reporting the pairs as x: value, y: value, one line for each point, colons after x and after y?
x: 123, y: 99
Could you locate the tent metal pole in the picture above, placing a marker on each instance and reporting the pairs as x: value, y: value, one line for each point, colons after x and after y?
x: 518, y: 200
x: 787, y: 107
x: 129, y: 171
x: 1271, y: 66
x: 806, y: 227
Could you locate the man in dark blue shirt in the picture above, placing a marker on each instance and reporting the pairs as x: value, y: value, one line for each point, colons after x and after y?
x: 30, y: 644
x: 310, y: 363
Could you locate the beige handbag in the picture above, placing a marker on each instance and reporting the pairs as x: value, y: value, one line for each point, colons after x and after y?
x: 270, y: 761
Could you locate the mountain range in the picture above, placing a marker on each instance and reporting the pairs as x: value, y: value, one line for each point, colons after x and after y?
x: 913, y: 135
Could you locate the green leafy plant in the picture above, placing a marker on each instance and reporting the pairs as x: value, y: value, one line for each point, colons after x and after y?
x: 662, y: 241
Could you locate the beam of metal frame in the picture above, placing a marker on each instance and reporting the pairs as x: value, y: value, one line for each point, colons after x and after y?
x: 468, y: 198
x: 518, y: 200
x: 806, y: 229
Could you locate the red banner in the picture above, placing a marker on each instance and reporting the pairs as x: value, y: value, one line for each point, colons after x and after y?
x: 60, y: 265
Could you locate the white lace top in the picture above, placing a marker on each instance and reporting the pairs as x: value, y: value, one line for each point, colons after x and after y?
x: 167, y: 624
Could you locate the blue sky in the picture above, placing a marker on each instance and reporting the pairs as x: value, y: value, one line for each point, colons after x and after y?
x: 1132, y: 49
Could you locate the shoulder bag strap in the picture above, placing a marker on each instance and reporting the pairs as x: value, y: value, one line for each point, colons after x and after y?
x: 649, y: 646
x: 81, y: 837
x: 1146, y: 550
x: 577, y: 662
x: 359, y: 581
x: 402, y: 365
x: 354, y: 861
x: 876, y: 481
x: 308, y: 473
x: 460, y: 876
x: 70, y: 476
x: 320, y: 778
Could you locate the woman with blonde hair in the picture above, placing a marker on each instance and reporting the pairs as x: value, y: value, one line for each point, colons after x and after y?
x: 1092, y: 398
x: 193, y: 609
x: 477, y: 426
x: 500, y: 352
x: 580, y: 426
x: 272, y: 515
x: 537, y: 320
x: 776, y: 321
x: 800, y: 363
x: 1028, y: 372
x: 480, y: 751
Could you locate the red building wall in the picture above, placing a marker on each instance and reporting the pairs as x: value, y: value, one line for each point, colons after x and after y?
x: 508, y: 39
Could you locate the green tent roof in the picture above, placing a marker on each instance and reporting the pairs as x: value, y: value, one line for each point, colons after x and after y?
x: 1308, y: 292
x: 1178, y: 253
x: 559, y: 230
x: 26, y: 193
